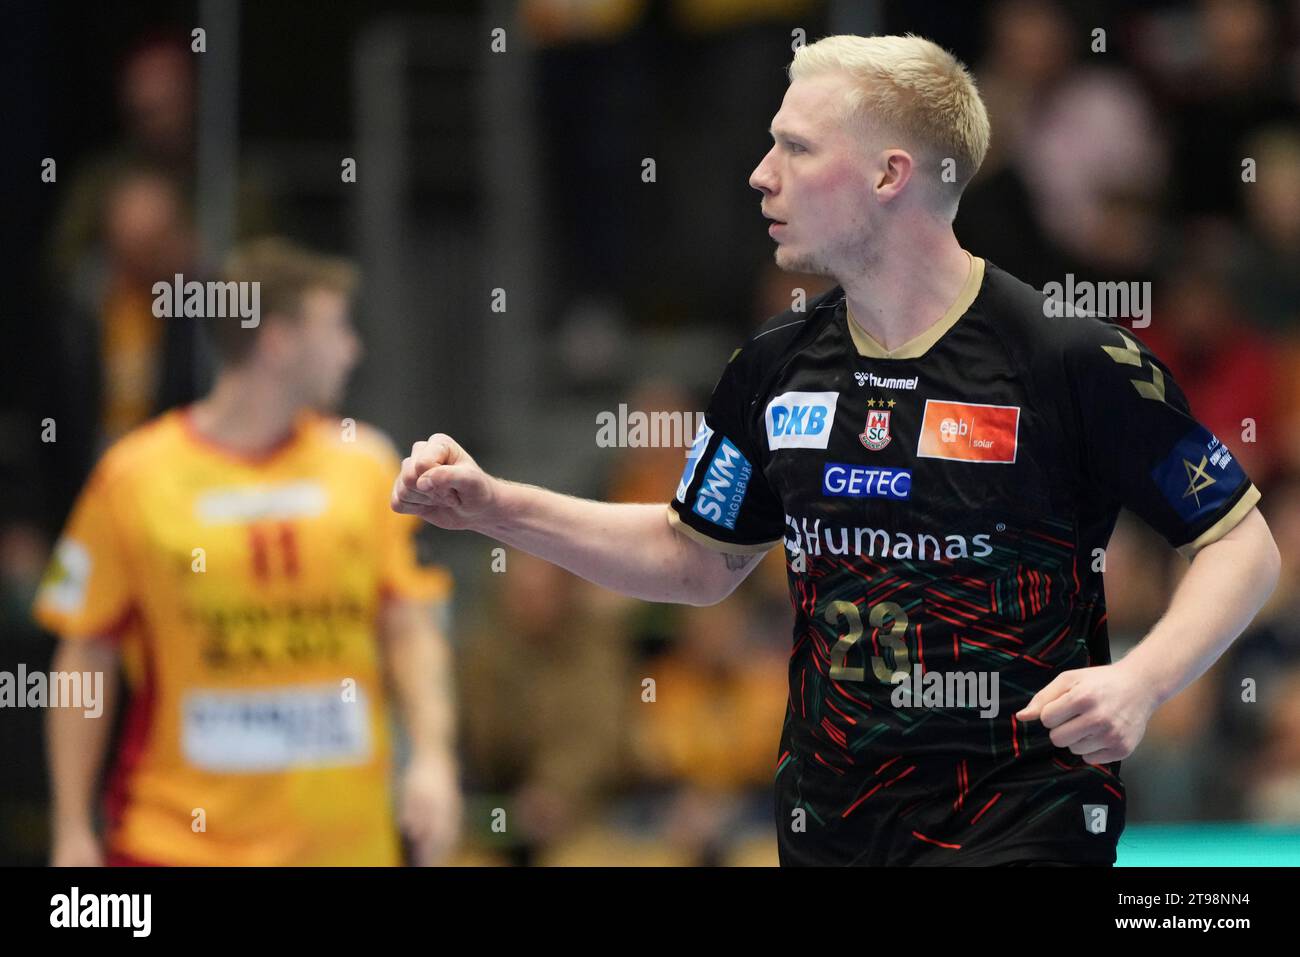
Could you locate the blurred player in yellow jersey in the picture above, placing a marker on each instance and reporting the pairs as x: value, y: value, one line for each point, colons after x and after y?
x: 239, y: 555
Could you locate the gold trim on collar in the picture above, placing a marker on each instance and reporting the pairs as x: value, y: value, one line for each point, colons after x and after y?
x: 919, y: 346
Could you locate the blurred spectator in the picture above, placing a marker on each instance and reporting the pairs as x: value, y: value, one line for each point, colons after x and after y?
x: 1092, y: 153
x: 1264, y: 274
x: 111, y: 363
x: 1174, y: 775
x: 1137, y: 587
x: 1027, y: 57
x: 689, y: 86
x: 719, y: 701
x: 1221, y: 363
x: 699, y: 16
x: 1030, y: 53
x: 1167, y: 776
x: 709, y: 736
x: 1253, y: 676
x: 550, y: 22
x: 156, y: 96
x: 1274, y: 790
x: 1236, y: 86
x: 1287, y: 358
x: 649, y: 473
x: 148, y: 238
x: 156, y: 99
x: 545, y: 687
x: 766, y: 593
x: 1077, y: 161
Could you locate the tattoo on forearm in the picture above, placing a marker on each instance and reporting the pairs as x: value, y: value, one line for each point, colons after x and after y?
x: 736, y: 562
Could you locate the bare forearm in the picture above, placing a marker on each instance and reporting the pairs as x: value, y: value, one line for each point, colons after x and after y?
x: 77, y: 743
x: 419, y: 666
x: 629, y: 548
x: 1226, y: 585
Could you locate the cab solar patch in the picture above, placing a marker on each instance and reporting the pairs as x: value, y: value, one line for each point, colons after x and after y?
x: 969, y: 432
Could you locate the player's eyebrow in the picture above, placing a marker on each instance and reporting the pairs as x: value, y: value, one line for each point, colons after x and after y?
x: 784, y: 134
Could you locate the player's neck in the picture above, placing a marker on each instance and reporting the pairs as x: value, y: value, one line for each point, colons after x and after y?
x: 895, y: 299
x: 245, y: 413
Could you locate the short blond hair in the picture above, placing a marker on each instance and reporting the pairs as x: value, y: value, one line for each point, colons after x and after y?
x: 913, y: 87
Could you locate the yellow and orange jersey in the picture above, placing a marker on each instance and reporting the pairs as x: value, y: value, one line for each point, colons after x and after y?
x: 244, y: 594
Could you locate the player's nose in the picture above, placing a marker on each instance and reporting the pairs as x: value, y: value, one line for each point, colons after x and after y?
x: 763, y: 178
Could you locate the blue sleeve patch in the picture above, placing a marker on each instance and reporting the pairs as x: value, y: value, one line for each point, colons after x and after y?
x: 723, y: 490
x: 693, y: 456
x: 1198, y: 476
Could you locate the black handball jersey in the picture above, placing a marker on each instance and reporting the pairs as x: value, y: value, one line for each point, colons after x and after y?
x: 944, y: 510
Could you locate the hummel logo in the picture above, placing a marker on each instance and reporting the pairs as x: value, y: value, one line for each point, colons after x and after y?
x: 881, y: 382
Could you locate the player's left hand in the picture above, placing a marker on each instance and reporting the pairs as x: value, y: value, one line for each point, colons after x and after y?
x: 1099, y: 713
x: 429, y: 809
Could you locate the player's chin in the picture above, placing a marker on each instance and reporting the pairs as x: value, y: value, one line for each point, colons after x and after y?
x: 329, y: 394
x: 791, y: 260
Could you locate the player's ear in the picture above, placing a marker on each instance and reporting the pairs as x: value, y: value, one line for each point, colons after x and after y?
x: 277, y: 338
x: 892, y: 173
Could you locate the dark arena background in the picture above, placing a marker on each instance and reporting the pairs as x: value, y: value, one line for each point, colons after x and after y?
x: 548, y: 206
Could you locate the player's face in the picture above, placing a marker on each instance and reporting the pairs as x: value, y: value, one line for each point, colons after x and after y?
x: 815, y: 181
x: 328, y: 347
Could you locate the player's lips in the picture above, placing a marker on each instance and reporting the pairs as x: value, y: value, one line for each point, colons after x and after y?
x: 776, y: 224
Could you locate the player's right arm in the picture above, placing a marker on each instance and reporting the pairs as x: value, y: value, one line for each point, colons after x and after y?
x: 695, y: 550
x: 85, y: 598
x: 630, y: 548
x: 77, y: 745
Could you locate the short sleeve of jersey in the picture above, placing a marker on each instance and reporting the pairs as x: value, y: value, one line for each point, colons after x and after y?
x: 1142, y: 447
x: 404, y: 575
x: 85, y: 591
x: 404, y: 571
x: 723, y: 499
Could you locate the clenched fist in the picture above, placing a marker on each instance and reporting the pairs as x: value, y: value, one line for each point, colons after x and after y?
x: 443, y: 485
